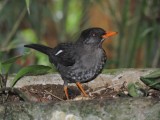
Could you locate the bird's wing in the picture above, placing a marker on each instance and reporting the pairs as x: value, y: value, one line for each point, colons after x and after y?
x: 63, y: 54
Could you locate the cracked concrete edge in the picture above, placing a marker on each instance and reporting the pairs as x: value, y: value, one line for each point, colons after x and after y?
x: 113, y: 79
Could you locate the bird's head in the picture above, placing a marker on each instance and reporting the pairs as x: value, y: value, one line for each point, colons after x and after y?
x: 94, y: 36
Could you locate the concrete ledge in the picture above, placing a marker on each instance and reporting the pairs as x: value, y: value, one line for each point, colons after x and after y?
x: 113, y: 77
x: 101, y: 109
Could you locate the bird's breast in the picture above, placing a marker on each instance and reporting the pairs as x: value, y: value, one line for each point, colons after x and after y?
x: 92, y: 60
x: 88, y: 66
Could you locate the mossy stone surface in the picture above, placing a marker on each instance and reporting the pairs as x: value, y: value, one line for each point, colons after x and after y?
x: 104, y: 109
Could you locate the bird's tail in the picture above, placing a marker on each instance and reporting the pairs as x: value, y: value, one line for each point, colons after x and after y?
x: 41, y: 48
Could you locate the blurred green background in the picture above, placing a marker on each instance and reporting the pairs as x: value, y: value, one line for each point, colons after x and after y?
x: 50, y: 22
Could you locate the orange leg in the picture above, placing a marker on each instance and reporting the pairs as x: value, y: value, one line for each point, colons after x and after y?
x: 66, y: 92
x: 81, y: 88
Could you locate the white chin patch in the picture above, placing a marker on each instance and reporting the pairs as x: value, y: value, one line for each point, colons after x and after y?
x: 60, y: 51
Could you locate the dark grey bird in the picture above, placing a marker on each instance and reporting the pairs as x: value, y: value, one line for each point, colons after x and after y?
x: 81, y: 61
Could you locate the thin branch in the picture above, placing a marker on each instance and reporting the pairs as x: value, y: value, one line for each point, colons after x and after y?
x: 54, y: 95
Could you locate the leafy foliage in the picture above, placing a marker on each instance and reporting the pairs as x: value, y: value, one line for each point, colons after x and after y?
x: 152, y: 79
x: 31, y: 70
x: 6, y: 65
x: 138, y: 27
x: 135, y: 90
x: 4, y: 70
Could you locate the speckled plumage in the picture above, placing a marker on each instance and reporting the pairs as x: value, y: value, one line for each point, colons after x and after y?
x: 81, y: 61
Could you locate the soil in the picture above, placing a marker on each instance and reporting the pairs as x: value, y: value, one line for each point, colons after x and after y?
x: 55, y: 93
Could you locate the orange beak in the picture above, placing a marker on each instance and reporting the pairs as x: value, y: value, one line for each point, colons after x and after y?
x: 108, y: 34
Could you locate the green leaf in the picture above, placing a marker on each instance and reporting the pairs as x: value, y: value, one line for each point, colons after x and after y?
x: 27, y: 4
x: 31, y: 70
x: 133, y: 90
x: 8, y: 63
x: 12, y: 60
x: 136, y: 90
x: 154, y: 74
x: 146, y: 31
x: 152, y: 79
